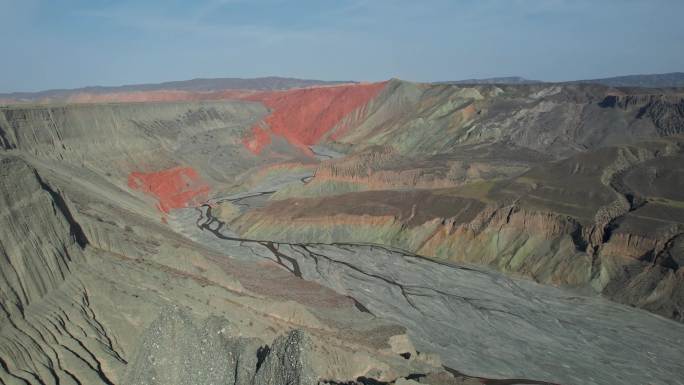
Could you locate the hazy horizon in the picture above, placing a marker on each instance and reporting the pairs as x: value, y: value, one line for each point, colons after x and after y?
x: 330, y: 80
x: 111, y: 43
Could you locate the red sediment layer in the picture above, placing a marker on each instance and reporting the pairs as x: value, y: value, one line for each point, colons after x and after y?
x: 258, y: 139
x: 174, y: 188
x: 303, y: 116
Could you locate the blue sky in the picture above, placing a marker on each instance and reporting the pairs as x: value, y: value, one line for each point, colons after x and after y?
x: 74, y: 43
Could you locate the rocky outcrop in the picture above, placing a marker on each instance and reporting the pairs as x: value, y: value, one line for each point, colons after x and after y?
x: 666, y: 112
x: 667, y: 115
x: 178, y: 349
x: 175, y: 349
x: 5, y: 142
x: 288, y: 361
x: 626, y: 101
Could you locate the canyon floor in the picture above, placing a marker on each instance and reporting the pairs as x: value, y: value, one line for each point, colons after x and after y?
x: 360, y: 233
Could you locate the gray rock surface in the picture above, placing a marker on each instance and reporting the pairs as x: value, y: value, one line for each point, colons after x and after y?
x: 288, y: 362
x: 175, y: 349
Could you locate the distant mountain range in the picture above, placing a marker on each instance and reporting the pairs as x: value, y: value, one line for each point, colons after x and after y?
x: 195, y: 85
x: 674, y: 79
x: 497, y: 80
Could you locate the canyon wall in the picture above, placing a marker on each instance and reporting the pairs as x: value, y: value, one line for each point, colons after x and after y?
x: 590, y: 222
x: 36, y: 254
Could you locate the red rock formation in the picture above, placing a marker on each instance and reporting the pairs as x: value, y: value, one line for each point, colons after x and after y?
x: 257, y: 140
x: 303, y: 116
x: 174, y: 188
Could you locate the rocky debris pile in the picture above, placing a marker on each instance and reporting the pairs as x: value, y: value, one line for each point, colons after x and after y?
x: 175, y: 349
x: 179, y: 349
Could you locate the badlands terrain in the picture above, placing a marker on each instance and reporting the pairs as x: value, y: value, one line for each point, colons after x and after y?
x: 283, y: 231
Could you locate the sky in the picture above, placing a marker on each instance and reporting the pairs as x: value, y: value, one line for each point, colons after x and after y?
x: 51, y: 44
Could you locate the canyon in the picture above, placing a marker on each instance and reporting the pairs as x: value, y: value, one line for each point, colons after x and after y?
x: 283, y: 231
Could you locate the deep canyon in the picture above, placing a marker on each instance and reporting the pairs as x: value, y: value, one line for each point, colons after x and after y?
x: 295, y: 232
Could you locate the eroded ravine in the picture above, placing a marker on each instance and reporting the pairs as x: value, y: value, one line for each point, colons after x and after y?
x: 480, y: 322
